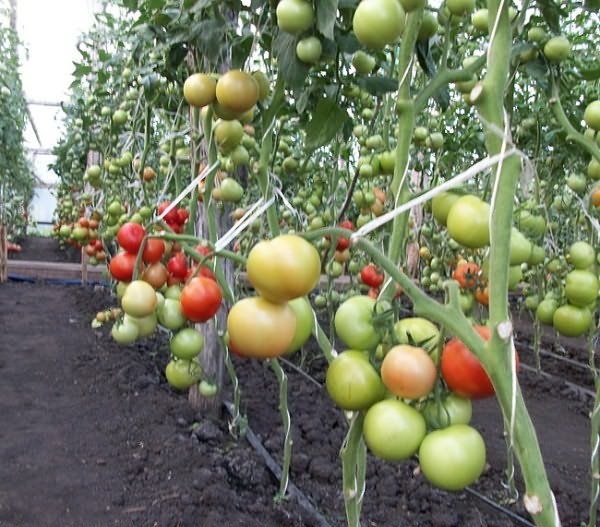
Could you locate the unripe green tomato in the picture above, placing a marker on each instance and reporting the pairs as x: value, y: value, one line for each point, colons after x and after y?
x: 460, y: 7
x: 367, y: 114
x: 334, y: 269
x: 295, y: 16
x: 479, y: 19
x: 420, y: 134
x: 309, y: 50
x: 537, y: 34
x: 363, y: 63
x: 437, y: 140
x: 593, y: 170
x: 557, y: 49
x: 320, y: 301
x: 592, y: 115
x: 429, y: 26
x: 377, y: 23
x: 374, y: 142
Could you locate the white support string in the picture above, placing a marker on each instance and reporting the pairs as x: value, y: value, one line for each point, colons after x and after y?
x: 478, y: 167
x: 188, y: 189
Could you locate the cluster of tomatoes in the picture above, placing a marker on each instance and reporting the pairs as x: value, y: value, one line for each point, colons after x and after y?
x: 571, y: 313
x: 172, y: 294
x: 176, y: 218
x: 393, y: 381
x: 279, y: 319
x: 84, y: 233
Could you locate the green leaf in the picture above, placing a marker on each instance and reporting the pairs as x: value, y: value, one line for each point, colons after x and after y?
x: 326, y: 14
x: 426, y: 62
x: 348, y: 43
x: 155, y: 4
x: 551, y: 13
x: 378, y: 85
x: 538, y: 70
x: 326, y: 122
x: 291, y: 69
x: 590, y: 74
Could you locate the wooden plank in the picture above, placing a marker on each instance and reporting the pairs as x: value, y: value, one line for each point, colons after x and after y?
x: 52, y: 270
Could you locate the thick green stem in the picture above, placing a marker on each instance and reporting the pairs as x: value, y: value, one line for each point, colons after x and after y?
x: 350, y: 470
x: 406, y: 123
x: 286, y: 421
x: 498, y: 359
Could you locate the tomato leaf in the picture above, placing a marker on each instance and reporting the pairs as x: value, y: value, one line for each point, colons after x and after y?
x: 442, y: 96
x: 326, y: 122
x: 538, y: 70
x: 551, y: 13
x: 326, y: 14
x: 293, y: 71
x: 377, y: 85
x: 591, y: 74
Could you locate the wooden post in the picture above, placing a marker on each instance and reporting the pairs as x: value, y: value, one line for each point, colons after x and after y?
x: 84, y: 267
x: 3, y: 254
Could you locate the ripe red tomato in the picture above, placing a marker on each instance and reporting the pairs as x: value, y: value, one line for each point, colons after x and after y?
x: 121, y: 266
x: 343, y: 242
x: 182, y: 216
x: 171, y: 217
x: 371, y: 276
x: 466, y: 274
x: 130, y: 237
x: 463, y: 372
x: 177, y: 266
x: 200, y: 299
x: 153, y: 251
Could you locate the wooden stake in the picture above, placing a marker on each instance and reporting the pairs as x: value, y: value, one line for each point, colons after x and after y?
x: 3, y: 254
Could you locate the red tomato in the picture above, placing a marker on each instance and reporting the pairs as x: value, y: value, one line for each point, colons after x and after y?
x: 463, y: 372
x: 171, y: 217
x: 182, y: 216
x: 343, y: 243
x: 466, y: 274
x: 177, y: 266
x: 200, y: 299
x: 121, y: 266
x: 371, y: 276
x: 130, y: 237
x: 153, y: 251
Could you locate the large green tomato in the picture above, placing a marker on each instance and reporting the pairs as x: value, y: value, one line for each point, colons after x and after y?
x: 352, y: 382
x: 468, y: 222
x: 170, y: 315
x: 520, y: 248
x: 453, y: 457
x: 460, y: 7
x: 393, y: 430
x: 557, y: 49
x: 452, y: 410
x: 173, y: 292
x: 572, y: 321
x: 545, y: 311
x: 378, y: 23
x: 515, y: 275
x: 181, y: 374
x: 592, y: 115
x: 581, y: 288
x: 295, y: 16
x: 441, y: 205
x: 139, y: 299
x: 354, y: 323
x: 309, y: 50
x: 187, y: 344
x: 125, y: 332
x: 304, y: 323
x: 419, y: 332
x: 582, y: 255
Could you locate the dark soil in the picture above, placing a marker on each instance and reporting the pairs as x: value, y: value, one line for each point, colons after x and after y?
x: 90, y: 434
x: 40, y: 249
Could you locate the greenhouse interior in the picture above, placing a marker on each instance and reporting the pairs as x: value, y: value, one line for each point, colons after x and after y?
x: 299, y: 263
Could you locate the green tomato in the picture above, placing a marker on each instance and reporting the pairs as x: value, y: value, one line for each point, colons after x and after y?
x: 393, y: 430
x: 581, y: 287
x: 181, y: 374
x: 460, y: 7
x: 231, y: 191
x: 377, y: 23
x: 139, y: 299
x: 429, y: 26
x: 441, y: 205
x: 452, y: 410
x: 582, y: 255
x: 572, y: 321
x: 187, y: 343
x: 170, y: 315
x: 352, y: 382
x: 453, y: 457
x: 520, y: 248
x: 515, y: 275
x: 125, y: 332
x: 363, y: 63
x: 354, y: 323
x: 593, y: 170
x: 468, y: 222
x: 309, y: 50
x: 466, y: 301
x: 557, y: 49
x: 537, y: 255
x: 480, y: 20
x: 146, y: 325
x: 173, y: 292
x: 537, y: 34
x: 418, y: 332
x: 295, y: 16
x: 592, y: 115
x: 304, y: 323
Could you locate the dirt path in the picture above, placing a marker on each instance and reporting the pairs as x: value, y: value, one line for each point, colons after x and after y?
x: 90, y: 434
